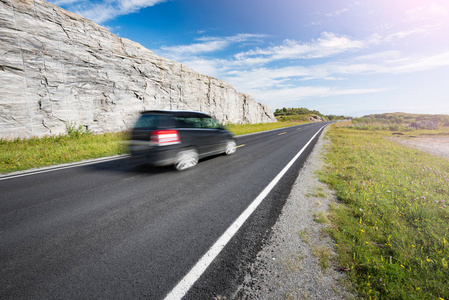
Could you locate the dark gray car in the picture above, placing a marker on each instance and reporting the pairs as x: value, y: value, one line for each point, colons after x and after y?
x: 178, y: 138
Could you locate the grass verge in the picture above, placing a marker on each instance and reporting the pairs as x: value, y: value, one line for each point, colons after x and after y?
x: 239, y: 129
x: 392, y: 227
x: 23, y: 154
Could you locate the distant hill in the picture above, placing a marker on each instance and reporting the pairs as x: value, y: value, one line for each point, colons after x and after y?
x: 413, y: 120
x: 303, y: 114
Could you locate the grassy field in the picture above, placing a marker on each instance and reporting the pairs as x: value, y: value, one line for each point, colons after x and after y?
x: 392, y: 226
x: 23, y: 154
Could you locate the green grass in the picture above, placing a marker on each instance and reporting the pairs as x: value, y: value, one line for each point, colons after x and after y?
x: 239, y: 129
x: 392, y: 228
x: 304, y: 237
x: 80, y: 144
x: 321, y: 217
x: 22, y: 154
x: 323, y: 256
x: 318, y: 192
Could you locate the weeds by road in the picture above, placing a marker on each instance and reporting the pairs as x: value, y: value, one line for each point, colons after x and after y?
x: 22, y: 154
x: 392, y: 228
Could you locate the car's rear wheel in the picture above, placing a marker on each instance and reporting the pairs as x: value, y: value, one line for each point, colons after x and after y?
x: 231, y: 146
x: 186, y: 159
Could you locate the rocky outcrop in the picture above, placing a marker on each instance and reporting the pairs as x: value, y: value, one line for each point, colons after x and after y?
x: 424, y: 125
x: 315, y: 118
x: 57, y: 67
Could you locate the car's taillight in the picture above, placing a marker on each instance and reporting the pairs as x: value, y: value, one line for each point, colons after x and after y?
x: 164, y: 137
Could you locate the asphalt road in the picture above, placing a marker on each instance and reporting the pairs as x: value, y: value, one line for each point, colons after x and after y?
x: 116, y: 230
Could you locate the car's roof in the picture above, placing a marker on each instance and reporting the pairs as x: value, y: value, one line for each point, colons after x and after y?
x: 184, y: 113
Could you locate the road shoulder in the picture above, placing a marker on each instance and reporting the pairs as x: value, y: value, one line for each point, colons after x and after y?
x: 297, y: 262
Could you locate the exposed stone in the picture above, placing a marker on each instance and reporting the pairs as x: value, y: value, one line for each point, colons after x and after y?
x: 424, y: 125
x: 315, y: 118
x: 57, y: 67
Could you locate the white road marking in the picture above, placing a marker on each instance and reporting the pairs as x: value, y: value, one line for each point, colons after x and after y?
x: 181, y: 289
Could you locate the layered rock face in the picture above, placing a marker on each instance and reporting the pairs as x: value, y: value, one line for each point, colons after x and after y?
x: 57, y: 67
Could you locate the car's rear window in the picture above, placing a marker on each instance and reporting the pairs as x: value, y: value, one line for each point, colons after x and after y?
x: 154, y: 122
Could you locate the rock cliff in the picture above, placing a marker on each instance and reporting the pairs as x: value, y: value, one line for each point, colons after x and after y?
x: 57, y: 67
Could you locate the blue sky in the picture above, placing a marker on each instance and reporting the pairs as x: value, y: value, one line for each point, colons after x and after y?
x: 339, y: 57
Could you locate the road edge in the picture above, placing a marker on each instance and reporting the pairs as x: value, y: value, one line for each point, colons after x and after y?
x: 290, y: 264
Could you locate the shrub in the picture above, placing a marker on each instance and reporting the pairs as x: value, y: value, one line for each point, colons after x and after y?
x: 76, y: 131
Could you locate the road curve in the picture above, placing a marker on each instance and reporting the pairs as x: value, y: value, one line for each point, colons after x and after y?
x: 116, y: 230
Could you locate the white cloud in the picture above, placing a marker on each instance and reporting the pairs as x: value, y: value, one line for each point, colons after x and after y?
x: 431, y: 10
x: 264, y: 77
x: 238, y: 38
x: 377, y: 39
x: 328, y: 16
x: 416, y: 64
x: 389, y: 62
x: 254, y: 71
x: 275, y: 97
x: 379, y: 56
x: 289, y: 82
x: 314, y: 23
x: 337, y: 12
x: 198, y: 48
x: 210, y: 67
x: 383, y: 63
x: 105, y: 10
x: 206, y: 45
x: 327, y: 45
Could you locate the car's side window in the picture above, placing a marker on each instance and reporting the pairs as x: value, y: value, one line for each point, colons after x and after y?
x: 153, y: 122
x: 204, y: 122
x: 210, y: 123
x: 184, y: 122
x: 146, y: 121
x: 198, y: 122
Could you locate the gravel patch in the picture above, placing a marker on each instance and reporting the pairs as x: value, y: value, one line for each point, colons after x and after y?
x: 298, y: 260
x: 435, y: 145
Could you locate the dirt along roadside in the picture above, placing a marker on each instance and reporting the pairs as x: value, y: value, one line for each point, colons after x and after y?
x: 435, y: 145
x: 298, y: 260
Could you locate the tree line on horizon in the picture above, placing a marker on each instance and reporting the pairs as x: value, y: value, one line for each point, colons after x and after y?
x: 289, y: 113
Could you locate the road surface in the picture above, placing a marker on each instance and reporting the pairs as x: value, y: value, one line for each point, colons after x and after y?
x: 117, y: 230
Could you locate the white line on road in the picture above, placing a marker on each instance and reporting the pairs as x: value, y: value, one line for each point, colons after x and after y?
x: 181, y: 289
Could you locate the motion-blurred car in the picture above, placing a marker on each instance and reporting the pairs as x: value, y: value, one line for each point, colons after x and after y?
x: 179, y: 138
